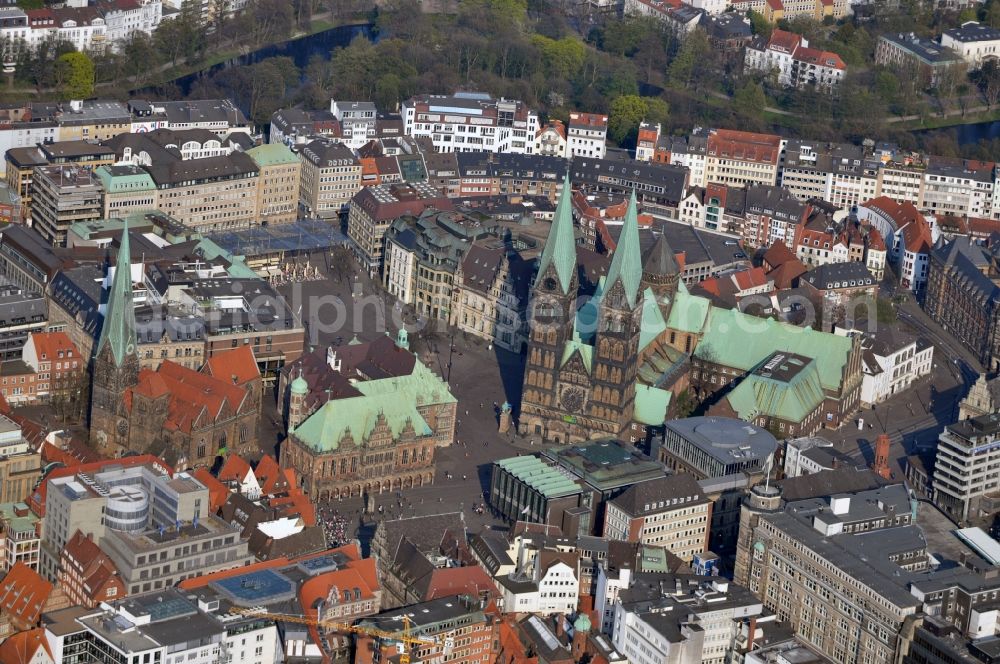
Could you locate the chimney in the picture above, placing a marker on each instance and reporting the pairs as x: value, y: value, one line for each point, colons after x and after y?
x: 881, y: 463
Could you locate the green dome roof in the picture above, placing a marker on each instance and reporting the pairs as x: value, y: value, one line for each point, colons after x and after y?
x: 300, y: 386
x: 582, y: 623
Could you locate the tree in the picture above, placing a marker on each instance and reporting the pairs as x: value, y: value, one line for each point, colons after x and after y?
x: 749, y: 101
x: 657, y: 111
x: 627, y: 112
x: 691, y: 59
x: 563, y: 58
x: 75, y: 75
x: 993, y: 14
x: 760, y: 25
x: 988, y: 79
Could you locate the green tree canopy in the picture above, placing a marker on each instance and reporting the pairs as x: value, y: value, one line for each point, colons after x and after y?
x: 750, y: 100
x: 75, y: 75
x: 564, y: 57
x: 627, y: 112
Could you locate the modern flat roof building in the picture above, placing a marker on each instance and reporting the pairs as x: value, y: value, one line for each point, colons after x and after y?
x: 716, y: 446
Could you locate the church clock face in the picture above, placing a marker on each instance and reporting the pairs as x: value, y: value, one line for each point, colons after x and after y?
x: 572, y: 399
x: 549, y: 284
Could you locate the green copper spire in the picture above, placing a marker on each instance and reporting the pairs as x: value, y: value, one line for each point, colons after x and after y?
x: 560, y: 248
x: 626, y: 264
x: 119, y: 315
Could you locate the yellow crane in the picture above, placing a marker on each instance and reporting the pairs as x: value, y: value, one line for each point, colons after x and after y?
x: 404, y: 636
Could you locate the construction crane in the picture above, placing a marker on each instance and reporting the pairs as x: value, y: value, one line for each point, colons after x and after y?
x: 404, y: 637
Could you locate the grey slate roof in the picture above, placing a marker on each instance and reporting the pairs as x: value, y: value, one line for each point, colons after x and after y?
x: 673, y: 491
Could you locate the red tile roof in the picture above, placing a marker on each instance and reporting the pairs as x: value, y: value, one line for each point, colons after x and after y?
x: 48, y: 345
x: 22, y: 647
x: 218, y: 493
x: 784, y: 41
x: 590, y: 120
x: 821, y: 58
x: 238, y: 362
x: 97, y: 570
x: 777, y: 254
x: 751, y: 278
x: 234, y: 469
x: 269, y: 476
x: 744, y: 145
x: 448, y: 581
x: 875, y: 240
x: 192, y: 394
x: 23, y: 593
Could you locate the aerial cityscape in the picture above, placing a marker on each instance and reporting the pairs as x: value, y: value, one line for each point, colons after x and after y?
x: 500, y: 331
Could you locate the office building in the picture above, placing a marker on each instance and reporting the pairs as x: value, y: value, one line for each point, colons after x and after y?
x: 468, y: 121
x: 716, y: 446
x: 671, y: 512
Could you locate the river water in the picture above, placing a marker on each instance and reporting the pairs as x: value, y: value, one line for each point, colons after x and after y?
x: 968, y: 134
x: 301, y: 50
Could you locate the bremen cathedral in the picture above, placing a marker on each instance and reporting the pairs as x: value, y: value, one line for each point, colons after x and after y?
x: 594, y: 370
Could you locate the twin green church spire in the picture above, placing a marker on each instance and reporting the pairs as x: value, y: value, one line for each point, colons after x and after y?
x: 560, y: 248
x: 118, y: 329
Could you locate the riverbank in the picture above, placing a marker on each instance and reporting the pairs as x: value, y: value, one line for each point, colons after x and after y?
x: 235, y: 55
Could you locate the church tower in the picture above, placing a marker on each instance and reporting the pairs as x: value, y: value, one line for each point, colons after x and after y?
x: 616, y: 345
x: 116, y: 364
x: 660, y: 272
x: 551, y: 314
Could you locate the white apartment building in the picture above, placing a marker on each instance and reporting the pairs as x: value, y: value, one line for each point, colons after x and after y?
x: 166, y: 627
x: 955, y: 189
x: 471, y: 121
x: 710, y: 6
x: 967, y: 466
x: 357, y: 121
x: 610, y: 583
x: 686, y: 619
x: 891, y: 364
x: 796, y: 461
x: 794, y: 62
x: 586, y: 135
x: 553, y: 586
x: 974, y: 42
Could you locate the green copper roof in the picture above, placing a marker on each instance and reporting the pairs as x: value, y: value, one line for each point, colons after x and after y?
x: 272, y: 154
x: 586, y: 353
x: 237, y: 268
x: 394, y: 398
x: 119, y: 315
x: 688, y: 312
x: 742, y: 341
x: 652, y: 325
x: 299, y: 386
x: 651, y: 404
x: 791, y: 401
x: 560, y: 247
x: 582, y: 623
x: 626, y: 264
x: 116, y: 184
x: 540, y: 476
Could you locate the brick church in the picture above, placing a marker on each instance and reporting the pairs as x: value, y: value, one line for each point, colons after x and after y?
x: 184, y: 416
x: 612, y: 365
x: 582, y: 377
